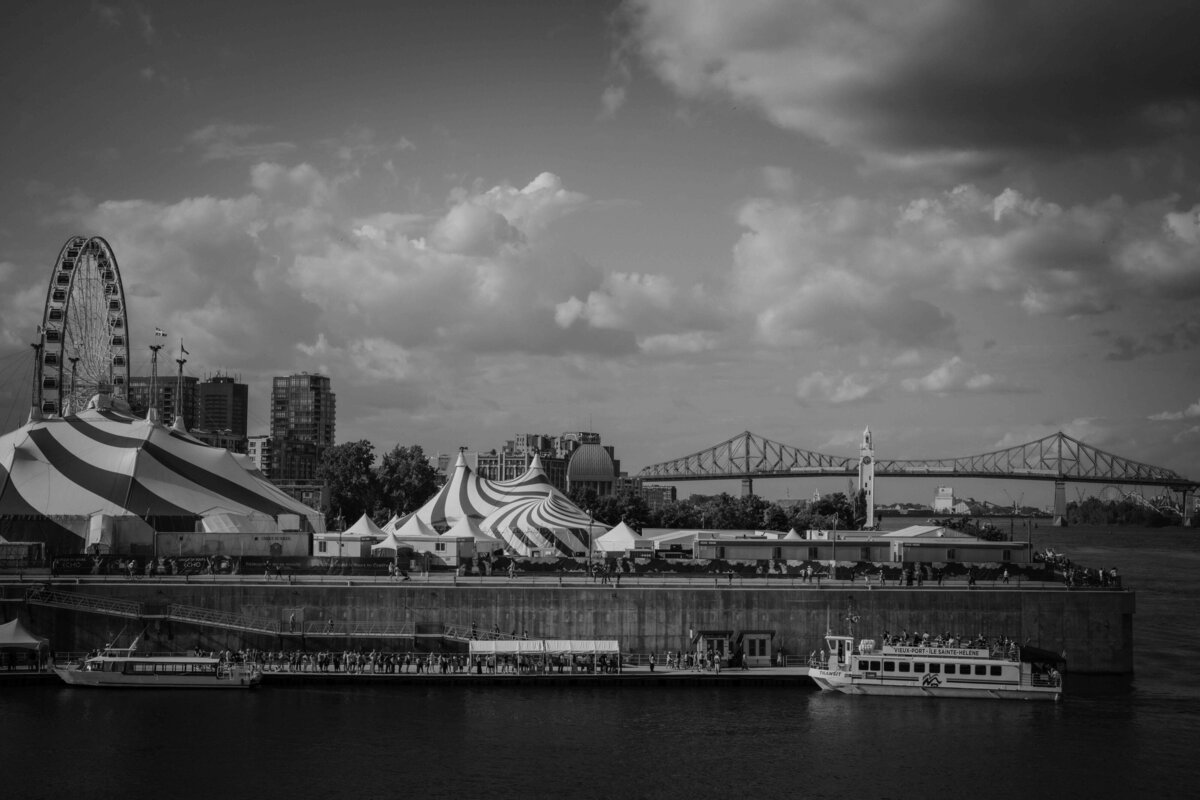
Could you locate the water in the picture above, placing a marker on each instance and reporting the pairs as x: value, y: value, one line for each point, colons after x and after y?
x: 644, y: 742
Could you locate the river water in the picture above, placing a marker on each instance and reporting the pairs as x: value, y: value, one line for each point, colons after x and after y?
x: 645, y: 742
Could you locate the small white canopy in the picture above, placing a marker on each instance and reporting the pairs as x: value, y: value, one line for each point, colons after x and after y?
x: 622, y: 538
x: 365, y: 527
x: 415, y: 527
x: 467, y: 528
x: 793, y: 535
x: 488, y: 647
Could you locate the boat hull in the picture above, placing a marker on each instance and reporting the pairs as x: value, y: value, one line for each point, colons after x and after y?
x: 838, y: 681
x: 116, y: 680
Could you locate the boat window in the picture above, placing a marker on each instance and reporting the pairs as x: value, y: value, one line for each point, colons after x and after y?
x: 950, y: 669
x: 918, y: 666
x: 889, y: 666
x: 875, y: 666
x: 905, y: 666
x: 995, y: 670
x: 980, y: 669
x: 935, y: 668
x: 862, y: 665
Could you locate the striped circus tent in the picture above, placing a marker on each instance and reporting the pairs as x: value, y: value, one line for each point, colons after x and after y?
x: 57, y: 475
x: 531, y: 512
x: 547, y: 523
x: 469, y: 495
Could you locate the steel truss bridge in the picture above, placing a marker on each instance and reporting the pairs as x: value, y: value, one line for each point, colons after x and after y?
x: 1058, y: 457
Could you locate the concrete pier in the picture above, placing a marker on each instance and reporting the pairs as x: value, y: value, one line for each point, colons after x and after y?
x: 1093, y: 626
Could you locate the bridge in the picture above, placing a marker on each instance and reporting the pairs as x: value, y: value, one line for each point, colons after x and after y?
x: 1057, y: 457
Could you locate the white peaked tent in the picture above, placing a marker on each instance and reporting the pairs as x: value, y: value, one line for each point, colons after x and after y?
x: 365, y: 527
x: 793, y: 535
x: 412, y: 529
x: 467, y: 528
x: 621, y: 539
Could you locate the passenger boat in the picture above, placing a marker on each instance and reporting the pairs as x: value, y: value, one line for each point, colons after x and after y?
x: 1011, y: 672
x: 124, y: 668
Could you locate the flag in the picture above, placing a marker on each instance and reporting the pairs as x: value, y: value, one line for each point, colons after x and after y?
x: 182, y: 351
x: 159, y: 332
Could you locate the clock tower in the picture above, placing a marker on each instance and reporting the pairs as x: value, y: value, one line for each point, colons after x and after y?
x: 866, y: 476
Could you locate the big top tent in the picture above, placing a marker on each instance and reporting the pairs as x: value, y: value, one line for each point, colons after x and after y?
x: 550, y: 522
x: 57, y: 474
x: 527, y: 513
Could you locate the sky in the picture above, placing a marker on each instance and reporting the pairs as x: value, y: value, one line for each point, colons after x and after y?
x: 965, y: 224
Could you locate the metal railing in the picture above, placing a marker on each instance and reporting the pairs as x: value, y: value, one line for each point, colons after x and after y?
x: 222, y: 619
x: 80, y: 602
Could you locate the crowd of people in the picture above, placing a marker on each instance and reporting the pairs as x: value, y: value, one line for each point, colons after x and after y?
x: 1075, y: 575
x: 380, y: 662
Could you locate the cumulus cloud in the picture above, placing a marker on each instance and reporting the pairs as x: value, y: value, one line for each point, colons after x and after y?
x: 1126, y: 347
x: 666, y: 319
x: 397, y: 297
x: 960, y: 84
x: 848, y: 270
x: 232, y: 141
x: 611, y: 101
x: 1190, y: 412
x: 1094, y: 431
x: 951, y: 376
x: 838, y: 389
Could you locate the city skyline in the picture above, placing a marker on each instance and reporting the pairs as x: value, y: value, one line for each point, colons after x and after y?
x: 965, y: 227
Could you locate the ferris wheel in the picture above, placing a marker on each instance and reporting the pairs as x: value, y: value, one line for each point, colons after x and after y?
x: 85, y: 328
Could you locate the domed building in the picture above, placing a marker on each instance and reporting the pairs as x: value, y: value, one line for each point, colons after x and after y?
x: 591, y: 467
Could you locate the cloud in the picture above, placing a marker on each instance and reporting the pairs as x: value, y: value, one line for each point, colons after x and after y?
x: 611, y: 101
x: 933, y: 83
x: 230, y: 141
x: 1183, y: 336
x: 1091, y: 430
x: 850, y: 270
x: 1191, y: 412
x: 953, y: 376
x: 666, y: 319
x: 838, y: 389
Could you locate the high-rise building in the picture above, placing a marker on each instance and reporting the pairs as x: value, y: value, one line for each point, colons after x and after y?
x: 258, y: 447
x: 303, y: 413
x: 166, y: 399
x: 223, y: 405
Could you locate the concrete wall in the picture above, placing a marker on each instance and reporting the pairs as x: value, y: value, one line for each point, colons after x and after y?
x: 1094, y: 627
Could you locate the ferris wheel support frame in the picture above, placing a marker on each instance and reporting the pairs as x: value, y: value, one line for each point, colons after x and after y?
x: 57, y: 385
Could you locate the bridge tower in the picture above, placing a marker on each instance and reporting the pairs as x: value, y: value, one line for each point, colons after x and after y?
x: 866, y: 475
x: 1060, y: 504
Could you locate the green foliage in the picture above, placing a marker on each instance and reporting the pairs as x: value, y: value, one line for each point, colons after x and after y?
x: 751, y: 512
x: 406, y: 480
x: 1094, y: 511
x: 348, y: 470
x: 609, y: 510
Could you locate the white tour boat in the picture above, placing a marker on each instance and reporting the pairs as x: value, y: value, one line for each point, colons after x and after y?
x: 124, y: 668
x: 1018, y: 673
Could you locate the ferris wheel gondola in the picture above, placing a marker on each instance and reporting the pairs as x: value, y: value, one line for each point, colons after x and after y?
x: 84, y: 328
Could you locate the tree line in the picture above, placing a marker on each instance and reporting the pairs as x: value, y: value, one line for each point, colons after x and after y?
x: 404, y: 480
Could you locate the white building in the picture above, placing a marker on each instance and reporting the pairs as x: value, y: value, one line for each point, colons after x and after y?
x: 943, y: 500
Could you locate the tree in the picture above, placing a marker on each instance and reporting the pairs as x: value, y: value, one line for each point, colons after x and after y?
x: 406, y: 479
x: 348, y: 471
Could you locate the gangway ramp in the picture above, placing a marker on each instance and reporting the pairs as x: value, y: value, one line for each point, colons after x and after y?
x: 221, y: 619
x: 109, y: 606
